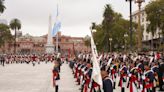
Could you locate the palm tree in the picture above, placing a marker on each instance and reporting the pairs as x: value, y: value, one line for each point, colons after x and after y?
x: 107, y: 24
x: 15, y: 24
x: 2, y: 7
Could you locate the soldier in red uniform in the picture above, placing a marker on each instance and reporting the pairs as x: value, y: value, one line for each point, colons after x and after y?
x: 56, y: 76
x: 87, y: 77
x: 34, y: 59
x: 113, y: 75
x: 148, y: 79
x: 133, y: 79
x: 123, y: 77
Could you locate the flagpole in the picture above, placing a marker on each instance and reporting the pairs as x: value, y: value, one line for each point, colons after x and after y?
x: 57, y: 42
x: 96, y: 72
x: 57, y: 39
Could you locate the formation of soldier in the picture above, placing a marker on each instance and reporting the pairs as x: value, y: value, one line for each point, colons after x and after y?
x: 30, y: 58
x: 33, y: 59
x: 135, y: 72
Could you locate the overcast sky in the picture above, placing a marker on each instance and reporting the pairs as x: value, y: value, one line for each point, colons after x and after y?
x: 76, y: 16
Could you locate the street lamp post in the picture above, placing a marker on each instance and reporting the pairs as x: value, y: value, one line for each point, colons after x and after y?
x: 159, y: 40
x: 125, y: 36
x: 139, y: 33
x: 130, y: 2
x: 110, y: 40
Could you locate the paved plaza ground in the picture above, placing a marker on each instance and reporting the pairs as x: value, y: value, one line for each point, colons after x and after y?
x: 26, y: 78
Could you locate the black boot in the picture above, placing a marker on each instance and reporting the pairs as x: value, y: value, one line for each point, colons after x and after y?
x: 114, y: 86
x: 123, y: 89
x: 154, y: 89
x: 56, y: 88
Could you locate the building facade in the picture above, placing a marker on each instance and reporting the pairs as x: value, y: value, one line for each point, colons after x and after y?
x: 147, y: 36
x: 28, y: 44
x: 70, y: 45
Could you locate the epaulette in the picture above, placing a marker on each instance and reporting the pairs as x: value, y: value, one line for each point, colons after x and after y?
x: 148, y: 72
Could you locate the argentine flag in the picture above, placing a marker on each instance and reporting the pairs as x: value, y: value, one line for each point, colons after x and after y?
x: 57, y: 24
x: 56, y: 28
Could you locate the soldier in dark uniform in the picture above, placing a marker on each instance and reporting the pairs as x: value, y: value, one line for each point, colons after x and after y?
x: 140, y: 70
x: 78, y: 72
x: 107, y: 82
x: 59, y: 62
x: 87, y: 78
x: 161, y: 75
x: 155, y: 70
x: 81, y: 72
x: 133, y: 78
x: 2, y: 58
x: 148, y: 79
x: 123, y: 77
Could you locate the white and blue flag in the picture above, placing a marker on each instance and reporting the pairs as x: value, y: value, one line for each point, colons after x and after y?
x: 56, y: 28
x: 57, y: 24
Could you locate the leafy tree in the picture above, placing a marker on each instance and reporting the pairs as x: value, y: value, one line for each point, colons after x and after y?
x: 155, y: 16
x: 2, y: 6
x: 5, y: 35
x: 15, y: 25
x: 99, y: 37
x: 113, y: 26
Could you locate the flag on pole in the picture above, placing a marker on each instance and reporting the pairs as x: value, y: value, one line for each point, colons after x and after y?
x: 96, y: 73
x: 57, y: 14
x: 56, y: 28
x: 93, y: 46
x: 57, y: 24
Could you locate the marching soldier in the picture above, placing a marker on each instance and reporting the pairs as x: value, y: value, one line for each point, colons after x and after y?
x: 155, y: 70
x: 133, y: 79
x: 78, y: 72
x: 140, y: 70
x: 33, y: 59
x: 87, y: 78
x: 113, y: 74
x: 161, y: 75
x: 123, y: 77
x: 107, y: 81
x: 56, y: 76
x: 2, y: 59
x: 148, y: 79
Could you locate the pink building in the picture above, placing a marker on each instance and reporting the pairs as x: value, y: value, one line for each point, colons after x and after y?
x: 34, y: 44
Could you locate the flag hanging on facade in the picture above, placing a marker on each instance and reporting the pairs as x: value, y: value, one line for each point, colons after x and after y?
x: 96, y: 73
